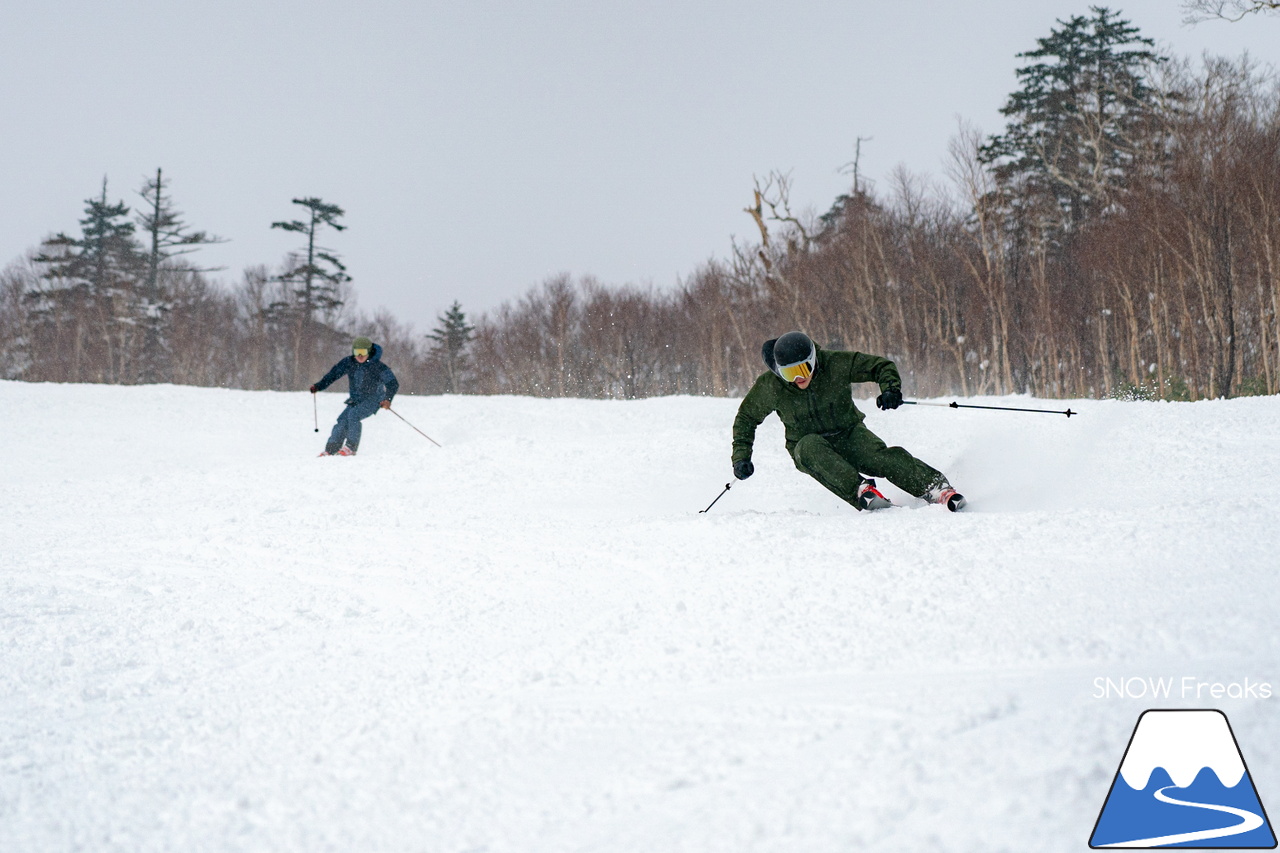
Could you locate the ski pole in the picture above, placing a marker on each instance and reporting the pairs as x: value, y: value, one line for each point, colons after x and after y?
x: 954, y: 405
x: 315, y: 410
x: 414, y: 428
x: 718, y: 497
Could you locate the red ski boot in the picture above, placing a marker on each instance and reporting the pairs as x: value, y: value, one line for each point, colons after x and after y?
x: 869, y: 497
x: 948, y: 497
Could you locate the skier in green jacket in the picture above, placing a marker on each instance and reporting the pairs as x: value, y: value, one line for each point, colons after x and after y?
x: 809, y: 389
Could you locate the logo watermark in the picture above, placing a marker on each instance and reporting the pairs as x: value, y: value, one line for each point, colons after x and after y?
x: 1183, y: 783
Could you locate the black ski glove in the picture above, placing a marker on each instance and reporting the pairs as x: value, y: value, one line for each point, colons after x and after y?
x: 314, y: 389
x: 742, y: 469
x: 890, y: 399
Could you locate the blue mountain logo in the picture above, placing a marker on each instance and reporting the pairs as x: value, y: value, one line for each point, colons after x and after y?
x: 1183, y: 783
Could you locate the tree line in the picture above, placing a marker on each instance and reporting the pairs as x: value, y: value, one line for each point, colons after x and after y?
x: 1120, y: 237
x: 122, y: 302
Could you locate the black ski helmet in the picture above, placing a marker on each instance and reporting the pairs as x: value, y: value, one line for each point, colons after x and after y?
x: 789, y: 351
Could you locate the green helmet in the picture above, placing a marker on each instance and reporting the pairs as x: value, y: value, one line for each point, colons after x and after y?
x: 362, y: 343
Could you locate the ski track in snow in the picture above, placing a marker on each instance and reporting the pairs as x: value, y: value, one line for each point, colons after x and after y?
x: 530, y: 640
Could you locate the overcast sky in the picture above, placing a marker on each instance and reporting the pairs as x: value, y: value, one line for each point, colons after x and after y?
x: 479, y: 147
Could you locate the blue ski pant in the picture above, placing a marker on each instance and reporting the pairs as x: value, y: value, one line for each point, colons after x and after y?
x: 348, y: 426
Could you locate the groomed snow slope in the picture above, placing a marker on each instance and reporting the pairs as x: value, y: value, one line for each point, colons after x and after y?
x: 530, y: 640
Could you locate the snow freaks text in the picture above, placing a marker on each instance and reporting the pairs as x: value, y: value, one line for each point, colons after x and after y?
x: 1186, y: 687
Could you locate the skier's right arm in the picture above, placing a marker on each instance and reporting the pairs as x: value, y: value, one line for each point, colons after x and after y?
x: 339, y: 369
x: 755, y: 407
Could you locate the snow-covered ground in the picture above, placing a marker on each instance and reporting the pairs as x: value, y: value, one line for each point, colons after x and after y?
x: 530, y: 639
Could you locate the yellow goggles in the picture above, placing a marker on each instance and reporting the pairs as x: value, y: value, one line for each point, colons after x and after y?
x: 795, y: 371
x: 364, y: 352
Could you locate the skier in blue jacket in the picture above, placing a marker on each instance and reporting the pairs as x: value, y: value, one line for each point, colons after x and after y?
x: 372, y: 386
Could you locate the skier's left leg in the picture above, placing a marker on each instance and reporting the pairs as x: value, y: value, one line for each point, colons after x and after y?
x: 867, y: 452
x: 355, y: 414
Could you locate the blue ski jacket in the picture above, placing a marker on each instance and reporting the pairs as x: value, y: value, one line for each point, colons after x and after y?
x: 372, y: 380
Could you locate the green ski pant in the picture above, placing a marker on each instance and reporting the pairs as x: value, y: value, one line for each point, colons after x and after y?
x: 838, y: 462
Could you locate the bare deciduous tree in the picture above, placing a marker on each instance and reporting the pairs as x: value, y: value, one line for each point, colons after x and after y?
x: 1228, y: 10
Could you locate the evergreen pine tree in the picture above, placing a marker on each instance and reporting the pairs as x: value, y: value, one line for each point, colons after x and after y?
x: 84, y: 316
x: 168, y: 237
x: 448, y: 351
x: 1078, y: 121
x: 315, y: 279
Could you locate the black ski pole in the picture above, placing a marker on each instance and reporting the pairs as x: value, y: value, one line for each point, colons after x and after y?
x: 718, y: 497
x: 954, y: 405
x: 414, y: 428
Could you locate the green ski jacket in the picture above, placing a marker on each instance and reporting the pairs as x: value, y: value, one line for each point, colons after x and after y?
x: 825, y: 407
